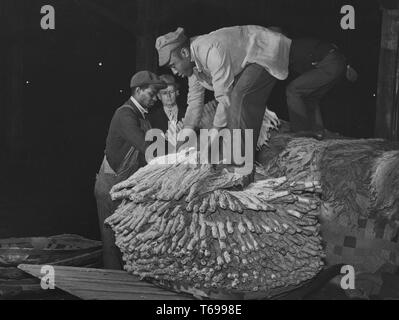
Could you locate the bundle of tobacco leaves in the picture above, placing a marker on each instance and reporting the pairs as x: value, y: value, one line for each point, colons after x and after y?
x: 359, y: 181
x: 197, y: 226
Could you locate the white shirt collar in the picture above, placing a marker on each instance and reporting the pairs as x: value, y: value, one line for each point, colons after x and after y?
x: 142, y: 110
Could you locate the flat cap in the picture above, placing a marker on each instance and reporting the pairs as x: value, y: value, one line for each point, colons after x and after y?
x: 167, y: 43
x: 143, y: 78
x: 169, y: 80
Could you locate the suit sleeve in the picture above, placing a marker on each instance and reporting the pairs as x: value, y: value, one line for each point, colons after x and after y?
x: 131, y: 131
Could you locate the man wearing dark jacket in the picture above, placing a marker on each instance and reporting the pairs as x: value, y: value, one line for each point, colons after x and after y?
x: 318, y: 66
x: 124, y: 154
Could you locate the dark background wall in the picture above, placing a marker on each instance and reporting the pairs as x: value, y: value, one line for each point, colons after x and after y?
x: 56, y: 101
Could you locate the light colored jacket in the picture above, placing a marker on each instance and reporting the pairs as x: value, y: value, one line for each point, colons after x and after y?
x: 223, y: 54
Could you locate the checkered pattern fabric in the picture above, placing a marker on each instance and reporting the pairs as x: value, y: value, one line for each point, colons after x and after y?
x: 367, y: 247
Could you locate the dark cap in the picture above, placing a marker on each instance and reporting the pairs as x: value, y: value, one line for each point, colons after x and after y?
x: 169, y: 80
x: 143, y: 78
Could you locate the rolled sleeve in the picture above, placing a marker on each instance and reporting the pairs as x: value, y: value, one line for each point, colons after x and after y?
x: 195, y: 102
x: 220, y: 66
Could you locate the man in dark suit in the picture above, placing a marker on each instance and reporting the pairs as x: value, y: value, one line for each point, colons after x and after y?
x: 167, y: 116
x: 124, y: 154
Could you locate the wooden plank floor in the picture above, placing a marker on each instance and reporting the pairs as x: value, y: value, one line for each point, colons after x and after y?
x: 100, y: 284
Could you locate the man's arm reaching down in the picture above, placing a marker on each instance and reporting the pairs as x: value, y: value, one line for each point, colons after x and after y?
x: 195, y: 102
x: 219, y: 64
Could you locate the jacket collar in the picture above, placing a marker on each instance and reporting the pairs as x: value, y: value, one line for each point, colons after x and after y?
x: 134, y: 103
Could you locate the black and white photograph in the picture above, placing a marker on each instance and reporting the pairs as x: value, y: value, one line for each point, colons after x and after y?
x: 199, y: 154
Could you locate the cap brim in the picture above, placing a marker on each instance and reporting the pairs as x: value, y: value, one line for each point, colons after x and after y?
x: 158, y: 85
x: 164, y: 58
x: 165, y: 53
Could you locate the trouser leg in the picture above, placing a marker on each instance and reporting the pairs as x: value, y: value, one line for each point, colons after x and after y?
x: 248, y: 100
x: 315, y: 117
x: 319, y: 123
x: 105, y: 208
x: 297, y: 110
